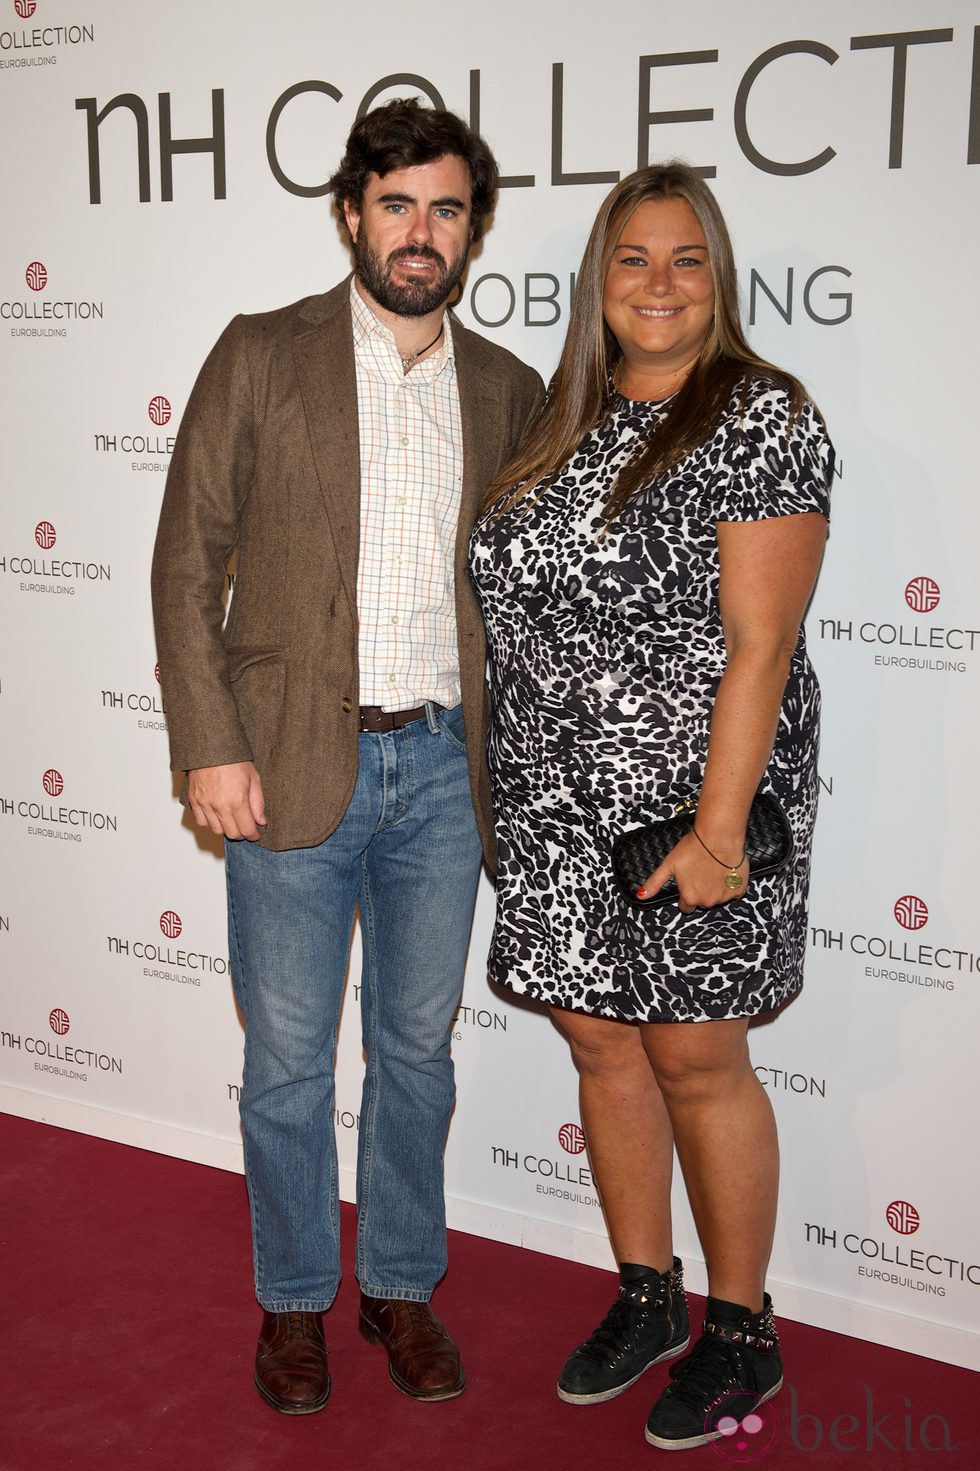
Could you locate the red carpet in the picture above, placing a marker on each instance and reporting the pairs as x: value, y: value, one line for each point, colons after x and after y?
x: 129, y: 1328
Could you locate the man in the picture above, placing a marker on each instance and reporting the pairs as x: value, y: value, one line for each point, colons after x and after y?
x: 343, y: 445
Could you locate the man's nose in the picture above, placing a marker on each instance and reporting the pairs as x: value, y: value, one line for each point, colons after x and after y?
x: 420, y: 229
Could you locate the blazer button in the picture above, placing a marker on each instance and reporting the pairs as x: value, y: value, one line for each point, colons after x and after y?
x: 346, y: 705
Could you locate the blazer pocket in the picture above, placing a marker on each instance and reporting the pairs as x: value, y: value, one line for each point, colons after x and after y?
x: 240, y: 659
x: 258, y: 683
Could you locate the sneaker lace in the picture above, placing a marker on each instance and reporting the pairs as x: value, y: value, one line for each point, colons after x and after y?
x: 712, y: 1367
x: 613, y: 1334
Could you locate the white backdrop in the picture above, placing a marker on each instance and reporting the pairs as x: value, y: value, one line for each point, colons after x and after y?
x: 843, y: 137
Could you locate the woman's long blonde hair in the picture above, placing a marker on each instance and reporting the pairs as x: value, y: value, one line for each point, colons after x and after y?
x: 580, y: 393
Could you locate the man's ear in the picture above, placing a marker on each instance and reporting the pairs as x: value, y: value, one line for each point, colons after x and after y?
x: 353, y: 218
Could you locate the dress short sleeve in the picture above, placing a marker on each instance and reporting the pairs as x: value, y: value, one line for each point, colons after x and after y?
x: 771, y: 466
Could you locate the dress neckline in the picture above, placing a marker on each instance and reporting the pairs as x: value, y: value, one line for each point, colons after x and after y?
x: 640, y: 403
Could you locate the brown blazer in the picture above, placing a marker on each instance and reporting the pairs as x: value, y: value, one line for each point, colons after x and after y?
x: 267, y: 461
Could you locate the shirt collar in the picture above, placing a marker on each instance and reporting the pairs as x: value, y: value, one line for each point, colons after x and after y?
x: 374, y: 340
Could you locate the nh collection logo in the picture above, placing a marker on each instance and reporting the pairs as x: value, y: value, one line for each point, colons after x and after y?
x: 930, y: 965
x: 920, y: 1269
x: 922, y: 594
x: 911, y: 912
x: 146, y: 703
x: 903, y: 1218
x: 644, y: 124
x: 40, y: 38
x: 159, y: 411
x: 559, y: 1178
x: 56, y: 571
x: 37, y: 277
x: 167, y: 962
x: 917, y: 642
x: 59, y: 1022
x: 479, y: 1017
x: 571, y: 1137
x: 58, y: 1058
x: 60, y: 822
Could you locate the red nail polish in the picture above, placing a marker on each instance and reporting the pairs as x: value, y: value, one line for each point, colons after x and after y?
x: 641, y: 893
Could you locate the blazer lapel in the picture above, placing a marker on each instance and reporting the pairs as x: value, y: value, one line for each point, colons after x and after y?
x: 479, y: 402
x: 324, y: 358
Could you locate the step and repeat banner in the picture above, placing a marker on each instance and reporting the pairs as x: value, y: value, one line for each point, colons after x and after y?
x: 164, y: 168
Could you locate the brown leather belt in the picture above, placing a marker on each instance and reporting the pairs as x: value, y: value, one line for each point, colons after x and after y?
x: 374, y: 720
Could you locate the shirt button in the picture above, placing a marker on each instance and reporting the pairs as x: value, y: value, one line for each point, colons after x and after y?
x: 346, y: 705
x: 405, y: 439
x: 394, y: 617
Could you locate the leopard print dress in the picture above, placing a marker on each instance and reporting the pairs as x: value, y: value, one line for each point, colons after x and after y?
x: 605, y: 657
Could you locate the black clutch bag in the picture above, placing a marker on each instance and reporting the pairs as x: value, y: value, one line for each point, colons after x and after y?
x: 769, y: 847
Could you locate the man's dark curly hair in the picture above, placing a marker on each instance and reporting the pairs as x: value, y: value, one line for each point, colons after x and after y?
x: 402, y: 134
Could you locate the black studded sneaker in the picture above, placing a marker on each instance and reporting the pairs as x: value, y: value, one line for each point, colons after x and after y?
x: 648, y: 1322
x: 732, y: 1369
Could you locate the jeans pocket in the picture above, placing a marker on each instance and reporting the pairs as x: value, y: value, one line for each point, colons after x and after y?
x: 451, y: 728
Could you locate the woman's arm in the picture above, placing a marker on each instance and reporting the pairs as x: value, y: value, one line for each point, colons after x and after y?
x: 767, y: 572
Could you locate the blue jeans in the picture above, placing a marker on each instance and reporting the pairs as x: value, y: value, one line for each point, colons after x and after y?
x: 408, y: 855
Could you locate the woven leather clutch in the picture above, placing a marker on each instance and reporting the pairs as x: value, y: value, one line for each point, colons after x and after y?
x: 768, y: 845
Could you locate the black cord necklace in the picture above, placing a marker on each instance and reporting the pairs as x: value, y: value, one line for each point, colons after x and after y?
x: 413, y: 356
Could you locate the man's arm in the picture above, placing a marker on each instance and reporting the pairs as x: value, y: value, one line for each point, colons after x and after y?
x: 207, y: 486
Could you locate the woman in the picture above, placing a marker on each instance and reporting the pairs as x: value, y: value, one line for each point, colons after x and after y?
x: 644, y: 564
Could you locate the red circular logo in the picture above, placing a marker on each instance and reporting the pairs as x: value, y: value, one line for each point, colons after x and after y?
x: 156, y: 671
x: 902, y: 1217
x: 571, y: 1137
x: 911, y: 913
x: 53, y: 782
x: 45, y: 535
x: 171, y: 924
x: 922, y: 594
x: 58, y: 1021
x: 159, y: 410
x: 25, y: 8
x: 36, y: 276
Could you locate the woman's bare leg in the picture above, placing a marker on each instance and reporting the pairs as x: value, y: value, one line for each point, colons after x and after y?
x: 628, y: 1133
x: 725, y: 1134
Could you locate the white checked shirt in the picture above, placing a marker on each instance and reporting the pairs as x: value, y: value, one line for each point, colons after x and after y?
x: 411, y: 444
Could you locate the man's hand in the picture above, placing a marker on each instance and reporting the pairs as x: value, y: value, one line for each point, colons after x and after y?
x: 228, y: 799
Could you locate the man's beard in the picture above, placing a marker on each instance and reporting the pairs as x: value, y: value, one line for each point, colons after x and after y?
x: 414, y: 298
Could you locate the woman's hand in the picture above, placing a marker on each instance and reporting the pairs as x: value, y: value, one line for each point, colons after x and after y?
x: 700, y: 879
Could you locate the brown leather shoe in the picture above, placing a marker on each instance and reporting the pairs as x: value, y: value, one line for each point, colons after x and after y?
x: 291, y: 1363
x: 423, y: 1361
